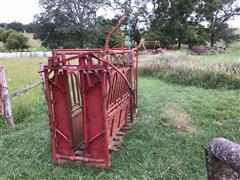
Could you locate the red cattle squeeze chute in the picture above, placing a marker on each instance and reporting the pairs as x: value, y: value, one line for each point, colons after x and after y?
x: 92, y: 99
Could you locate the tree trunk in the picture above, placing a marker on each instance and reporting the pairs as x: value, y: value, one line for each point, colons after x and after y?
x: 179, y: 44
x: 212, y: 39
x: 81, y: 42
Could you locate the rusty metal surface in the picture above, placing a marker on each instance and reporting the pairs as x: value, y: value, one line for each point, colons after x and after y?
x: 92, y: 98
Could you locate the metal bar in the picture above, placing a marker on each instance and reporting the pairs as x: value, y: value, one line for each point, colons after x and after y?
x: 73, y: 84
x: 96, y: 136
x: 24, y: 90
x: 114, y: 67
x: 106, y: 46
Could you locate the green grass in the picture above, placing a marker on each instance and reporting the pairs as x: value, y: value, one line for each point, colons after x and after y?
x: 20, y: 73
x: 233, y: 56
x: 155, y: 149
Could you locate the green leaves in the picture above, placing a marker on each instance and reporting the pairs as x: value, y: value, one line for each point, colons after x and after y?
x: 13, y: 40
x: 180, y: 21
x: 217, y: 13
x: 173, y: 19
x: 69, y: 24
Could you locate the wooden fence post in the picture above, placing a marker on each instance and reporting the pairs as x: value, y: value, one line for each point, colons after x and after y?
x: 6, y: 96
x: 6, y: 102
x: 41, y: 71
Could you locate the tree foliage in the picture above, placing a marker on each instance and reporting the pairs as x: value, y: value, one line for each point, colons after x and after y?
x: 217, y: 13
x: 16, y: 26
x: 103, y: 27
x: 13, y: 40
x: 180, y: 21
x: 68, y: 24
x: 139, y: 16
x: 76, y: 23
x: 174, y: 19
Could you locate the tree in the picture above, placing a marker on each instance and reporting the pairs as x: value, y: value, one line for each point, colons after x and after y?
x: 29, y: 28
x: 1, y: 31
x: 174, y: 19
x: 138, y: 13
x: 229, y: 36
x: 16, y: 41
x: 4, y: 35
x: 217, y: 13
x: 103, y: 27
x: 67, y: 23
x: 17, y: 26
x: 3, y: 25
x: 13, y: 40
x: 179, y: 21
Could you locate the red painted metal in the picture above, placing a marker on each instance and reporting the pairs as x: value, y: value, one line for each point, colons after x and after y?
x: 106, y: 46
x: 92, y: 99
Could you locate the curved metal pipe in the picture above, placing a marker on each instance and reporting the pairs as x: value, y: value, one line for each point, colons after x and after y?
x: 106, y: 46
x: 114, y: 67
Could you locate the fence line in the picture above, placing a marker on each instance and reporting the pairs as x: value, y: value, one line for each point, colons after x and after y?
x: 25, y: 54
x: 25, y: 89
x: 5, y: 96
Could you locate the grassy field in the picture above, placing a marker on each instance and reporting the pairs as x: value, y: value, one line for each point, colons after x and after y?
x: 208, y: 71
x: 34, y: 43
x: 20, y: 73
x: 173, y: 126
x: 231, y: 56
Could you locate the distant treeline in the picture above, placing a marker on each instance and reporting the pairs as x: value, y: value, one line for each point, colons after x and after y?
x: 18, y: 26
x: 77, y: 23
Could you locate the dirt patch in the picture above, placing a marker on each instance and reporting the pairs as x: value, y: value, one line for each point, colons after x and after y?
x: 179, y: 118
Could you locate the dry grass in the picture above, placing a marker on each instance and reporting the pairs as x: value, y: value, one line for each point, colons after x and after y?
x: 179, y: 118
x: 171, y: 64
x: 183, y: 54
x: 212, y: 72
x: 230, y: 68
x: 34, y: 43
x: 173, y: 60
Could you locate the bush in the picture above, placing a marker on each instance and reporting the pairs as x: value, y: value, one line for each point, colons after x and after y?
x: 116, y: 39
x: 1, y: 31
x: 13, y: 40
x: 152, y: 36
x: 4, y: 35
x: 12, y: 43
x: 16, y: 41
